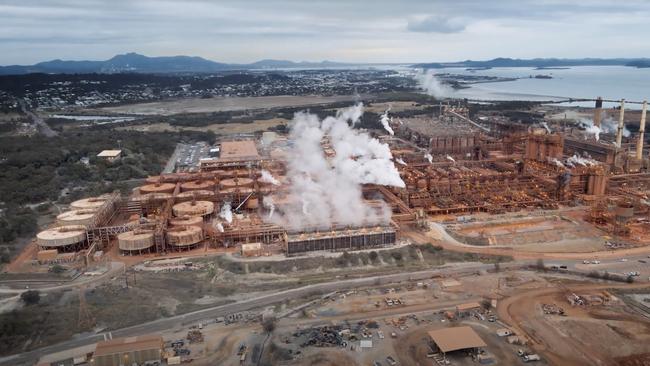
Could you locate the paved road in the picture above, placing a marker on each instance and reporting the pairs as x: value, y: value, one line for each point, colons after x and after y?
x: 42, y: 127
x: 159, y: 325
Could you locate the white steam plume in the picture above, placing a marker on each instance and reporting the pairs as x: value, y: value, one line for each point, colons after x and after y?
x: 268, y: 178
x: 451, y: 159
x: 607, y: 125
x: 429, y: 157
x: 331, y: 188
x: 219, y: 227
x: 548, y: 129
x: 385, y: 121
x: 226, y: 212
x: 267, y: 201
x: 351, y: 114
x: 577, y: 160
x: 428, y: 82
x: 400, y: 161
x: 557, y: 162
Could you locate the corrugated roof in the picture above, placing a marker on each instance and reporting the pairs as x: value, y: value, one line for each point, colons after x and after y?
x: 468, y: 306
x: 238, y: 150
x: 109, y: 153
x: 456, y: 338
x: 128, y: 344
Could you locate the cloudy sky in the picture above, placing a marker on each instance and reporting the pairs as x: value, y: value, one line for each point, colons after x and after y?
x: 314, y: 30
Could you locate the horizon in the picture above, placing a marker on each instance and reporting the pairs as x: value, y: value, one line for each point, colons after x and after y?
x: 81, y: 59
x: 360, y: 32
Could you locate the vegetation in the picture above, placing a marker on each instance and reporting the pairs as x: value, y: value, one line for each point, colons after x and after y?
x: 31, y: 297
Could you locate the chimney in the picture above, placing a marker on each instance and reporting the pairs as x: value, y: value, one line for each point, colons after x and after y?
x: 639, y: 145
x: 598, y: 111
x: 621, y: 125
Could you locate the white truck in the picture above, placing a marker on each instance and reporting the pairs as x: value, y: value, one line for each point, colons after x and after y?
x: 531, y: 358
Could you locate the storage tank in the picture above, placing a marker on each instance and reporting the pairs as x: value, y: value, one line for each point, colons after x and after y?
x: 76, y: 217
x: 158, y: 188
x: 196, y: 185
x: 193, y: 208
x: 201, y: 194
x: 236, y: 183
x: 152, y: 197
x: 252, y: 203
x: 135, y: 240
x: 184, y: 236
x: 89, y: 203
x: 186, y: 221
x: 62, y: 236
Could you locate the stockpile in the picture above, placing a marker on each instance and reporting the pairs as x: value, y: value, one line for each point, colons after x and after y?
x: 195, y: 336
x: 552, y: 309
x: 323, y: 337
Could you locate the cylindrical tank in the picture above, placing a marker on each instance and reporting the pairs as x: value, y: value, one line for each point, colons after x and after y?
x: 196, y: 185
x: 252, y: 203
x: 184, y: 236
x: 236, y: 182
x: 89, y: 203
x: 186, y: 221
x: 61, y: 236
x: 158, y: 188
x: 153, y: 180
x: 422, y: 184
x: 201, y: 194
x: 76, y: 217
x: 135, y: 240
x: 152, y: 197
x: 193, y: 208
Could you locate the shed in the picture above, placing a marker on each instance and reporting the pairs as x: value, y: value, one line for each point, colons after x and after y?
x: 129, y: 350
x: 456, y: 338
x: 110, y: 155
x: 462, y: 309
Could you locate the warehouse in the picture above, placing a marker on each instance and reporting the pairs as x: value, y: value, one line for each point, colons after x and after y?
x: 127, y: 351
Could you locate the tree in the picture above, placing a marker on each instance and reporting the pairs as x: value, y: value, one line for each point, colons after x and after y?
x: 269, y: 324
x: 373, y: 256
x: 31, y: 297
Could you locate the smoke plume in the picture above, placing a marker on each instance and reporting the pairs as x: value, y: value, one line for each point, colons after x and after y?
x: 226, y: 212
x: 385, y: 121
x: 269, y: 205
x: 607, y: 125
x: 428, y: 82
x: 429, y: 157
x: 327, y: 190
x: 268, y: 178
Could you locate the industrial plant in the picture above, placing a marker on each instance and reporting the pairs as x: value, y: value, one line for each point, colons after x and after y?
x: 269, y: 196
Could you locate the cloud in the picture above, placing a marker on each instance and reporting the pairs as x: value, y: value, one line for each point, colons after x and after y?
x: 436, y: 24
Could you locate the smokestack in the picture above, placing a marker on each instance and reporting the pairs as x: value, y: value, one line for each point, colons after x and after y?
x: 621, y: 125
x: 598, y: 111
x: 639, y: 145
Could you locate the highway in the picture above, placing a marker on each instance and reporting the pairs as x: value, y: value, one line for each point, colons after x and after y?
x: 41, y: 126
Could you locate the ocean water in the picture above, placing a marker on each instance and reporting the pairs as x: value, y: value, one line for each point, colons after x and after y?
x: 608, y: 82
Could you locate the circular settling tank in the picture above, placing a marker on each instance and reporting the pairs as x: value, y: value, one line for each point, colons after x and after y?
x: 196, y: 185
x: 135, y: 240
x: 88, y: 203
x: 61, y: 236
x: 236, y: 182
x: 193, y: 208
x: 158, y: 188
x: 184, y: 236
x: 186, y: 221
x: 203, y: 194
x: 76, y: 217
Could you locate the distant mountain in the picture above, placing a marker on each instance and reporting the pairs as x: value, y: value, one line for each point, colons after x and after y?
x: 536, y: 62
x: 133, y: 62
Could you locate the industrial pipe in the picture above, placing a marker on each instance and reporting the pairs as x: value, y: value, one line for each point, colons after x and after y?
x: 621, y: 125
x: 639, y: 145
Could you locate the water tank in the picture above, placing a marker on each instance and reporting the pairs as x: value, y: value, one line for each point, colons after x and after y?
x: 76, y: 217
x: 61, y: 236
x: 236, y: 183
x: 135, y: 240
x: 196, y: 185
x: 184, y: 236
x: 193, y: 208
x: 89, y: 203
x: 158, y: 188
x: 186, y: 221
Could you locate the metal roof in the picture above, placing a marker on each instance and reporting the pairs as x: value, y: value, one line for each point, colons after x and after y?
x: 128, y: 344
x: 456, y: 338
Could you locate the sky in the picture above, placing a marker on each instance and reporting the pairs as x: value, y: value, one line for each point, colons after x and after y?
x: 242, y: 31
